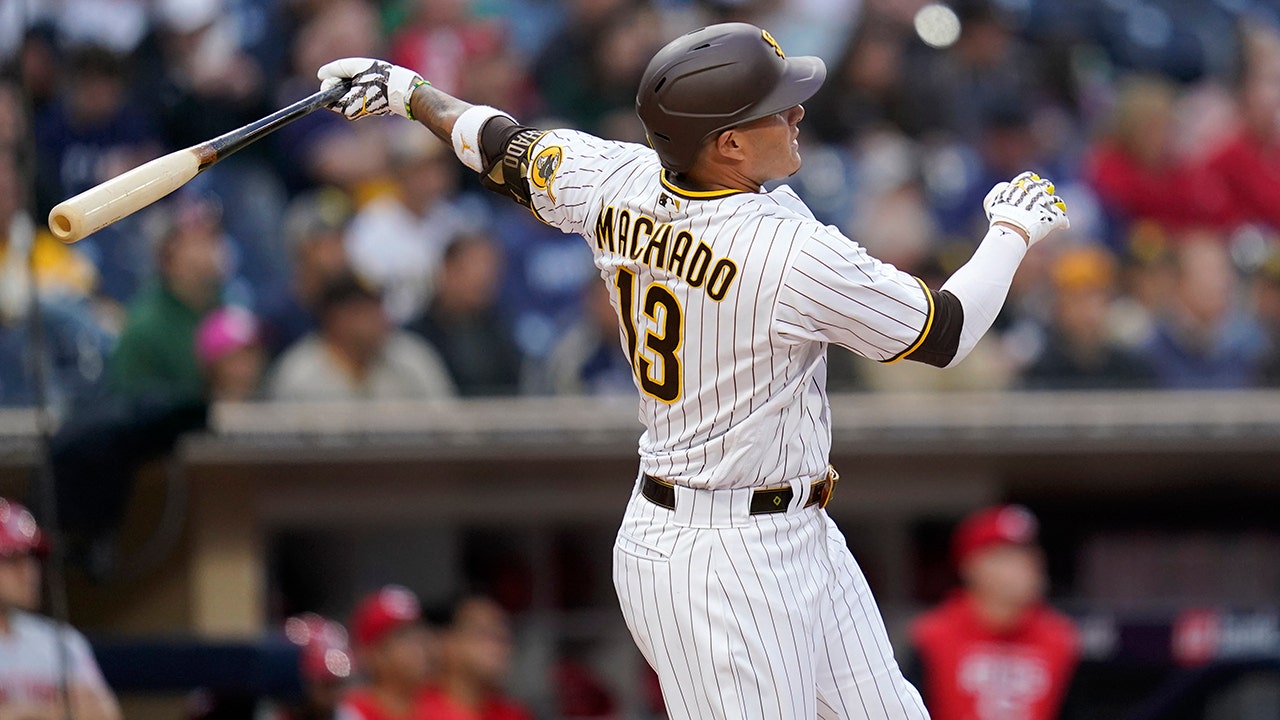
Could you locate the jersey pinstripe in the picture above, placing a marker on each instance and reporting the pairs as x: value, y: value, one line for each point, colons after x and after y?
x: 728, y: 301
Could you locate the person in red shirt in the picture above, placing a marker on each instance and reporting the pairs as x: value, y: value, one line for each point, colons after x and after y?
x: 445, y: 41
x: 475, y: 658
x: 393, y: 651
x: 995, y: 650
x: 1136, y: 172
x: 1249, y: 163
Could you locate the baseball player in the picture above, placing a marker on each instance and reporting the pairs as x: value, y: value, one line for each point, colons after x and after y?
x: 995, y: 650
x: 737, y: 587
x: 33, y: 649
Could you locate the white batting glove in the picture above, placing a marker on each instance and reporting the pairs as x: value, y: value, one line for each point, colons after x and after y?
x: 1027, y: 202
x: 377, y: 87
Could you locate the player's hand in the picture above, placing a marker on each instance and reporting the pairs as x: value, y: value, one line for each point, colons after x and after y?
x: 377, y: 87
x: 1027, y: 204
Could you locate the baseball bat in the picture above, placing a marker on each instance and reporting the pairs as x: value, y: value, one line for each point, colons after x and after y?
x: 125, y: 194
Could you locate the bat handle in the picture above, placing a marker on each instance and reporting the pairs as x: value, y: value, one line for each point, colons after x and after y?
x: 224, y: 145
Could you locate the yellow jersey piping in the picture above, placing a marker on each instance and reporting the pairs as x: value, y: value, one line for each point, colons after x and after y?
x: 928, y: 325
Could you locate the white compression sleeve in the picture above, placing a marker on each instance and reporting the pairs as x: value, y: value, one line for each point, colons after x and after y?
x: 982, y: 284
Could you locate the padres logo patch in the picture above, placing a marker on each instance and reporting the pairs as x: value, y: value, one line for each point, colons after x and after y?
x: 543, y: 171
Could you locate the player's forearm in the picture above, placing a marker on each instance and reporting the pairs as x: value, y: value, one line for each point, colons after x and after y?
x: 437, y: 110
x: 377, y: 87
x: 478, y: 142
x: 983, y: 283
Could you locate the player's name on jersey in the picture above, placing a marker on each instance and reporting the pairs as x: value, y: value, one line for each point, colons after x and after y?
x: 661, y: 247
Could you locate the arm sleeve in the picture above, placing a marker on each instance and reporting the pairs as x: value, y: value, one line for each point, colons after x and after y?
x: 982, y: 284
x: 835, y: 292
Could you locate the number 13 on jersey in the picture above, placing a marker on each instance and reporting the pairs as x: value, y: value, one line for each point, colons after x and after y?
x: 656, y: 363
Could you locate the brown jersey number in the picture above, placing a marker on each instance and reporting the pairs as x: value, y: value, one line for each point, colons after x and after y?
x: 663, y: 310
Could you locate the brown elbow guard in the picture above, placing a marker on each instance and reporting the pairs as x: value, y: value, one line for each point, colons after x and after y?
x: 939, y: 347
x: 504, y: 146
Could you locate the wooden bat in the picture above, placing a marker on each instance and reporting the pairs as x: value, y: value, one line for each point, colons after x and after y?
x: 125, y: 194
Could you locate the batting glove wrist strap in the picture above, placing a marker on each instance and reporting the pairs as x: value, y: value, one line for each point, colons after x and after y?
x: 401, y: 82
x: 377, y: 87
x: 1027, y: 202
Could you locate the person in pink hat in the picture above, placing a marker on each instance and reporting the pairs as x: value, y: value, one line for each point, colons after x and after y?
x: 31, y: 645
x: 229, y: 349
x: 394, y: 654
x: 995, y: 650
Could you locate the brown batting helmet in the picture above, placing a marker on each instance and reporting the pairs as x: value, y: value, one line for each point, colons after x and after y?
x: 714, y: 78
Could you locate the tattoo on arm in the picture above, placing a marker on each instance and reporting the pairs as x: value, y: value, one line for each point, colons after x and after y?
x: 437, y: 110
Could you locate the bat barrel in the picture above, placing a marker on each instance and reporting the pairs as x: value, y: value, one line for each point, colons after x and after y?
x: 64, y: 221
x: 123, y: 195
x: 99, y: 206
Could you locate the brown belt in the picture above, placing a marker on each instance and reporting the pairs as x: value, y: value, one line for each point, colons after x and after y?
x: 764, y: 501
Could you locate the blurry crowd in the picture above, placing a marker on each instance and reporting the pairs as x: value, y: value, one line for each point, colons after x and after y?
x: 992, y: 648
x: 342, y: 261
x: 399, y: 663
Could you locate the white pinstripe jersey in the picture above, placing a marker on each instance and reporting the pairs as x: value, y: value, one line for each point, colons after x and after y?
x: 727, y: 302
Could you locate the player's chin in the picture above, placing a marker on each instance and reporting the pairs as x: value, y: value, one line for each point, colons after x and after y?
x: 796, y: 162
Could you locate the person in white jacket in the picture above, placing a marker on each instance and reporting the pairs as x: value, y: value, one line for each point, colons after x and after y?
x: 34, y: 650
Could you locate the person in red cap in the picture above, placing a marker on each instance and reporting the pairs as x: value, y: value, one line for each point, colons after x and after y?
x: 30, y: 652
x: 995, y: 650
x: 476, y: 655
x: 324, y: 664
x: 393, y: 651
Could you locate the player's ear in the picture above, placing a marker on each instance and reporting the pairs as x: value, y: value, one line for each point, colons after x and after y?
x: 728, y: 144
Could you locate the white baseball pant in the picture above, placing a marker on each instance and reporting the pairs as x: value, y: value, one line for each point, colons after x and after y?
x: 755, y: 616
